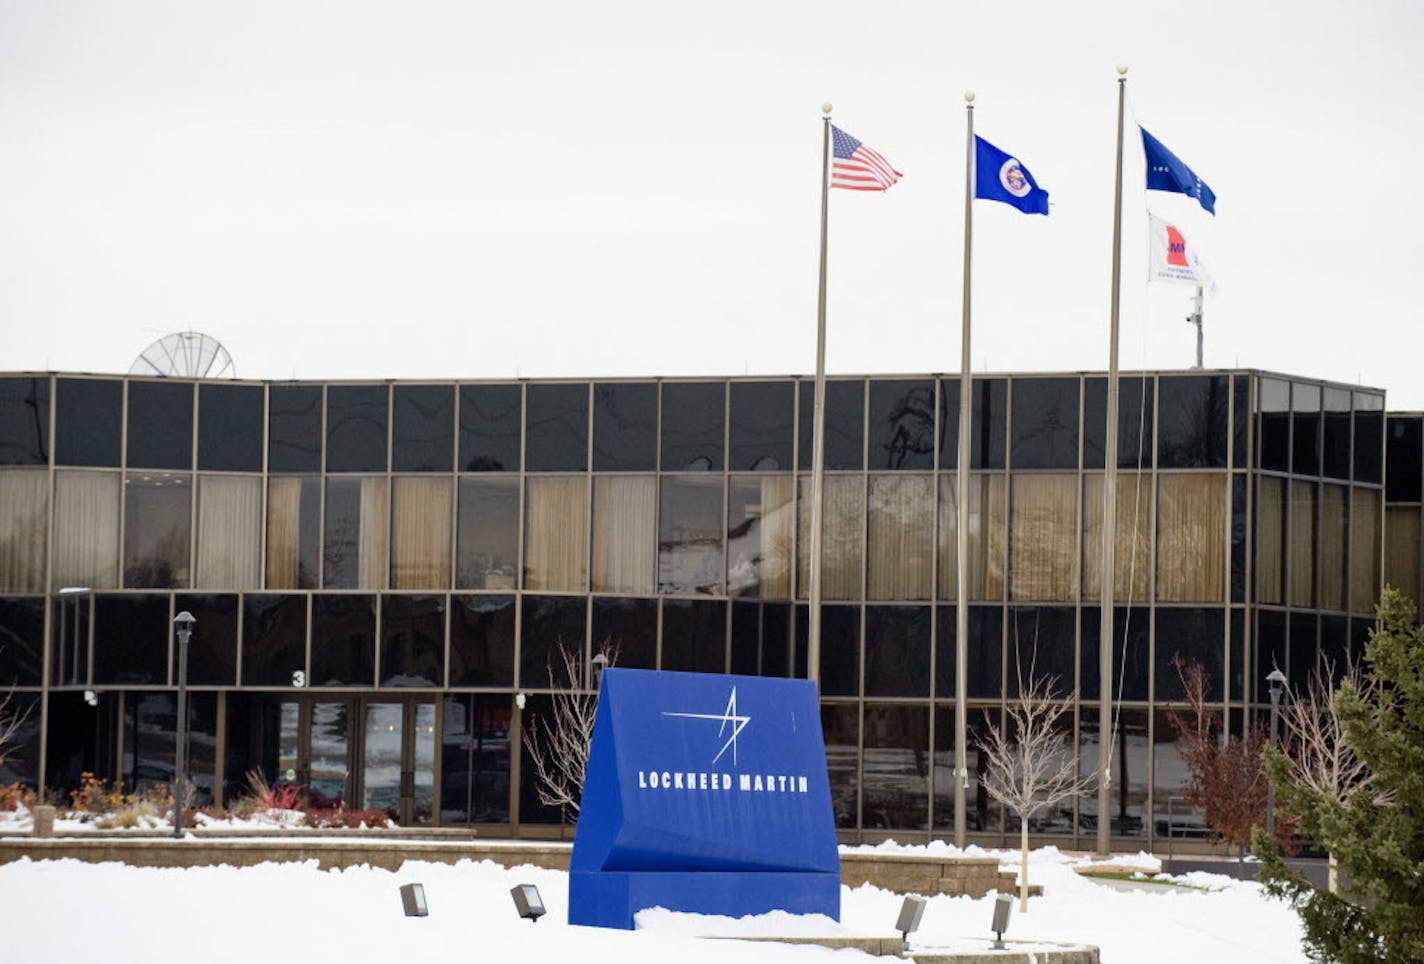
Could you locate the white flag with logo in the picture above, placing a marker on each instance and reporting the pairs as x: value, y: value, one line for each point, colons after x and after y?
x: 1171, y: 259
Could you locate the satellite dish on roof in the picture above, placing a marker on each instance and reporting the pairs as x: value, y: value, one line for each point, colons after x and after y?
x: 185, y: 354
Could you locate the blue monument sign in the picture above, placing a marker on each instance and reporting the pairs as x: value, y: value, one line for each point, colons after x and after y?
x: 704, y: 793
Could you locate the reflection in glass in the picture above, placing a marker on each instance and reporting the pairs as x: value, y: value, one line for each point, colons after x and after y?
x: 482, y: 641
x: 131, y: 639
x: 556, y: 433
x: 1365, y: 550
x: 212, y: 650
x: 1191, y: 537
x: 844, y: 428
x: 157, y: 525
x: 490, y: 428
x: 1130, y: 775
x: 901, y: 536
x: 413, y: 640
x: 986, y: 653
x: 354, y: 555
x: 150, y: 744
x: 1132, y: 555
x: 1336, y: 436
x: 1045, y: 420
x: 24, y: 517
x: 330, y: 753
x: 690, y: 536
x: 230, y: 427
x: 1273, y: 402
x: 229, y: 532
x: 897, y: 651
x: 160, y: 425
x: 988, y: 513
x: 1191, y: 421
x: 556, y: 533
x: 625, y: 427
x: 422, y: 804
x: 1134, y: 422
x: 420, y: 532
x: 1172, y: 816
x: 1305, y: 429
x: 552, y: 627
x: 761, y: 427
x: 1043, y: 549
x: 474, y: 759
x: 842, y: 536
x: 381, y: 770
x: 356, y: 428
x: 1369, y: 440
x: 1191, y: 637
x: 984, y: 813
x: 761, y: 634
x: 22, y: 625
x: 840, y: 649
x: 840, y: 722
x: 1041, y: 648
x: 88, y: 415
x: 293, y: 532
x: 1405, y: 465
x: 487, y: 543
x: 24, y: 421
x: 274, y: 639
x: 988, y: 423
x: 693, y: 419
x: 897, y: 752
x: 624, y: 533
x: 294, y: 428
x: 423, y: 417
x: 629, y: 628
x: 343, y: 651
x: 759, y: 536
x: 695, y: 635
x: 901, y: 429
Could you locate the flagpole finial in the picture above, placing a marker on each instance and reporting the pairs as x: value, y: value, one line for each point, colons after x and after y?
x: 1122, y: 70
x: 969, y: 96
x: 826, y: 108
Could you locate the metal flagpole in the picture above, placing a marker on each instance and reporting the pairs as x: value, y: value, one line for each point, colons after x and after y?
x: 961, y: 476
x: 818, y: 474
x: 1109, y: 567
x: 1195, y: 318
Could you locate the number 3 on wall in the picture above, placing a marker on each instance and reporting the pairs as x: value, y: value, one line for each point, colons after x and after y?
x: 299, y: 678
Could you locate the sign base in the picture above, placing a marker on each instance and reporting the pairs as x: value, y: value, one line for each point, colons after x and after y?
x: 611, y: 898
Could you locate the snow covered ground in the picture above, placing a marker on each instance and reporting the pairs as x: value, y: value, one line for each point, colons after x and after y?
x: 65, y: 910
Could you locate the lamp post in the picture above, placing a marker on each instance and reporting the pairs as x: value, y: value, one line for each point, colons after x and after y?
x: 1277, y: 680
x: 600, y: 663
x: 184, y: 623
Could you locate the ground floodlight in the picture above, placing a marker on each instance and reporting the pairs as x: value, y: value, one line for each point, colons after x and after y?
x: 413, y: 900
x: 1002, y: 905
x: 912, y: 911
x: 527, y: 902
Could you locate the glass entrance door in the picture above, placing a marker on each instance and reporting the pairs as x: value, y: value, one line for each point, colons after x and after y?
x: 398, y: 760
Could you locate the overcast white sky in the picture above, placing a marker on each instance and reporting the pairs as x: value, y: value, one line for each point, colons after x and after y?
x: 454, y: 189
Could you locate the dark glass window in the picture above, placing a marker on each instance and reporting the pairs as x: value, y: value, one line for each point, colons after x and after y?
x: 24, y: 421
x: 160, y: 424
x: 487, y: 535
x: 88, y: 424
x: 229, y: 428
x: 356, y: 428
x: 489, y: 428
x: 1305, y: 425
x: 423, y: 428
x: 761, y: 431
x: 694, y: 414
x: 538, y: 715
x: 897, y: 651
x: 551, y: 626
x: 1240, y: 655
x: 986, y: 652
x: 1045, y: 420
x: 1134, y: 422
x: 1190, y: 637
x: 482, y: 641
x: 840, y: 647
x: 1273, y: 436
x: 1041, y: 648
x: 1192, y: 417
x: 212, y: 648
x: 845, y: 425
x: 1240, y: 420
x: 1130, y: 656
x: 1334, y: 646
x: 695, y: 635
x: 21, y: 763
x: 131, y: 640
x: 690, y: 531
x: 840, y: 725
x: 1369, y: 428
x: 474, y: 759
x: 625, y: 427
x: 1404, y: 460
x: 947, y: 632
x: 901, y: 429
x: 897, y: 738
x: 629, y: 628
x: 1238, y: 537
x: 556, y: 434
x: 274, y: 639
x: 1304, y: 650
x: 761, y: 636
x: 988, y: 423
x: 413, y: 640
x: 949, y: 423
x: 294, y: 428
x: 343, y: 651
x: 22, y: 641
x: 1270, y: 650
x: 158, y: 521
x: 1336, y: 445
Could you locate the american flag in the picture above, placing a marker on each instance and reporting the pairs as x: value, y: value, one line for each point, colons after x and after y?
x: 856, y: 167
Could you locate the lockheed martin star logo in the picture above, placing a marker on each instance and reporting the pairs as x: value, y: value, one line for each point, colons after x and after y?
x: 729, y: 715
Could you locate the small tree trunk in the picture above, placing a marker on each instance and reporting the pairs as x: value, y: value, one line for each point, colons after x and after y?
x: 1334, y: 877
x: 1023, y: 865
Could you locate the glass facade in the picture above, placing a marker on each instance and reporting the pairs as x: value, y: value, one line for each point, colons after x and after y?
x: 421, y: 553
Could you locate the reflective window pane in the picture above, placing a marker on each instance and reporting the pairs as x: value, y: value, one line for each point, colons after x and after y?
x: 1405, y: 461
x: 1336, y: 443
x: 556, y: 533
x: 624, y: 533
x: 474, y: 759
x: 693, y: 418
x: 1270, y: 557
x: 1273, y: 431
x: 1135, y: 421
x: 1041, y: 649
x: 1132, y: 552
x: 343, y: 651
x: 1305, y: 429
x: 761, y: 636
x: 274, y: 639
x: 1365, y: 550
x: 1301, y: 514
x: 1045, y: 423
x: 842, y: 536
x: 840, y: 649
x: 413, y: 640
x: 423, y: 428
x: 86, y: 529
x: 556, y: 429
x: 212, y: 647
x: 901, y: 428
x: 949, y: 423
x: 88, y: 421
x: 490, y: 422
x: 24, y: 421
x: 1191, y: 537
x: 420, y: 532
x: 330, y: 762
x: 897, y: 651
x: 1240, y: 420
x: 1043, y: 547
x: 356, y: 428
x: 761, y: 427
x: 293, y: 532
x: 896, y: 751
x: 900, y: 536
x: 354, y: 552
x: 1334, y: 533
x: 988, y: 423
x: 986, y: 652
x: 22, y: 628
x: 625, y: 427
x: 1188, y: 637
x: 229, y: 544
x: 229, y: 427
x: 482, y: 641
x: 840, y: 724
x: 24, y: 523
x: 629, y: 628
x: 487, y: 547
x: 131, y: 637
x: 294, y: 428
x: 157, y: 526
x: 1192, y: 421
x: 160, y: 425
x: 845, y: 425
x: 690, y: 536
x: 1369, y: 431
x: 551, y: 638
x: 760, y: 516
x: 695, y: 635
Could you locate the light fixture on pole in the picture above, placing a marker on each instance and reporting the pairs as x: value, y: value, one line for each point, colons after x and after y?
x: 1277, y: 681
x: 912, y: 911
x: 527, y: 902
x: 184, y: 623
x: 1003, y: 904
x: 599, y: 664
x: 413, y: 900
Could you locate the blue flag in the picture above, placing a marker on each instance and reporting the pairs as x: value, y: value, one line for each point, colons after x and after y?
x: 1166, y: 172
x: 1000, y: 177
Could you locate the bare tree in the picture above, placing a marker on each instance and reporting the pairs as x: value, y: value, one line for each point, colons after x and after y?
x: 11, y: 719
x: 556, y: 746
x: 1315, y: 744
x: 1031, y: 763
